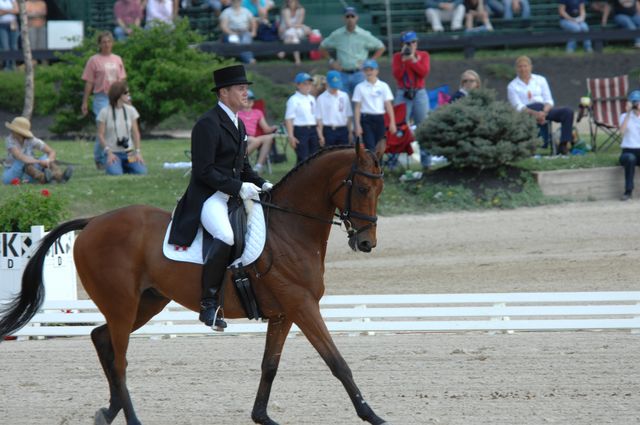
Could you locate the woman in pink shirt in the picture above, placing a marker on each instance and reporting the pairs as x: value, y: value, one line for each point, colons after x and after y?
x: 259, y: 133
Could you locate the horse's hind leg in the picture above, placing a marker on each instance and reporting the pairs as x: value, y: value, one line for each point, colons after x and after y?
x: 277, y: 332
x: 312, y: 325
x: 150, y: 304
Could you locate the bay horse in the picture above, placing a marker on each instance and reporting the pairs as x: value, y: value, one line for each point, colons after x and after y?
x: 118, y: 256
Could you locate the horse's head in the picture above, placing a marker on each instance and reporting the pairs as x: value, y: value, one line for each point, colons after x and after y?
x: 357, y: 198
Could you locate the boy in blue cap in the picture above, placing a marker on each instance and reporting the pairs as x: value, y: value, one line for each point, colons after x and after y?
x: 372, y: 98
x: 300, y: 119
x: 334, y: 113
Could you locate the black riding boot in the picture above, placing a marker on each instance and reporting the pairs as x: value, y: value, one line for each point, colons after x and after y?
x: 213, y: 272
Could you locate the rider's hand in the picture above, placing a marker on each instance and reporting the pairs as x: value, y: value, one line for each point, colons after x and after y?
x: 266, y: 186
x: 249, y: 191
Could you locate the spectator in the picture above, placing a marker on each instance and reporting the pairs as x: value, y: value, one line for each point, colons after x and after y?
x: 333, y: 113
x: 572, y: 19
x: 352, y: 45
x: 530, y: 93
x: 239, y: 27
x: 292, y: 28
x: 602, y: 7
x: 101, y: 70
x: 259, y: 8
x: 21, y: 163
x: 495, y: 8
x: 9, y: 30
x: 447, y: 11
x: 516, y: 7
x: 469, y: 80
x: 372, y: 98
x: 37, y: 19
x: 410, y: 68
x: 128, y: 14
x: 161, y: 11
x: 117, y: 129
x: 218, y: 5
x: 630, y: 129
x: 254, y: 122
x: 626, y: 14
x: 474, y: 10
x: 300, y: 119
x: 318, y: 85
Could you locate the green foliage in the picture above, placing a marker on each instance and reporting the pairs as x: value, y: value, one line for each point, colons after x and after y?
x: 30, y: 206
x: 478, y: 132
x: 12, y: 89
x: 501, y: 71
x: 165, y: 72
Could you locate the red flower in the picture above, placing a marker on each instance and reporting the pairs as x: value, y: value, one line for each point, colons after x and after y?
x: 45, y: 193
x: 15, y: 182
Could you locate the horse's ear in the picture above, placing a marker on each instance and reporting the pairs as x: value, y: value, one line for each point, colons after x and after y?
x: 380, y: 148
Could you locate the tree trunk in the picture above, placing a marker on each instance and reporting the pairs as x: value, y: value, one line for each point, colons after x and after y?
x: 29, y: 85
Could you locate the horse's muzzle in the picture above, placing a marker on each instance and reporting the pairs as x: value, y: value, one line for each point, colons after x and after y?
x: 363, y: 245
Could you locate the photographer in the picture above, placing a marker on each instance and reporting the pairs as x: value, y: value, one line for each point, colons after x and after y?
x: 410, y: 68
x: 630, y: 130
x: 119, y: 134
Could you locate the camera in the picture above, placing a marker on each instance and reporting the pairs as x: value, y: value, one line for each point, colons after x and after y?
x: 123, y: 142
x: 635, y: 105
x: 406, y: 50
x: 409, y: 93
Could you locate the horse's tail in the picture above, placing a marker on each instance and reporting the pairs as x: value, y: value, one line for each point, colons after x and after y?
x: 19, y: 311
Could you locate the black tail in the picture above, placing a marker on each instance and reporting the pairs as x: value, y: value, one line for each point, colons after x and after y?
x: 25, y: 305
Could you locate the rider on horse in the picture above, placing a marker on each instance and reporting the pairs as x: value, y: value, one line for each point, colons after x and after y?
x: 220, y: 170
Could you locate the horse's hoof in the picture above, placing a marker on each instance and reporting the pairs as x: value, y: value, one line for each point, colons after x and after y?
x: 100, y: 417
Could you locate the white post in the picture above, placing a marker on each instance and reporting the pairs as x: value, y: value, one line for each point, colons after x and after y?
x: 387, y: 7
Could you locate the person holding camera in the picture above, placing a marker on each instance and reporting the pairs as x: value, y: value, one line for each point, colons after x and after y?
x: 630, y: 130
x: 119, y: 134
x: 410, y: 68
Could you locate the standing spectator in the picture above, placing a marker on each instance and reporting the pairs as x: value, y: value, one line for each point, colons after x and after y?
x: 475, y: 10
x: 630, y: 129
x: 119, y: 133
x: 161, y: 11
x: 128, y: 14
x: 292, y: 28
x: 410, y: 68
x: 372, y: 98
x: 516, y: 7
x: 572, y: 19
x: 530, y: 93
x: 352, y: 45
x: 239, y: 27
x: 9, y: 30
x: 447, y: 11
x: 300, y: 119
x: 101, y: 70
x: 626, y: 14
x: 37, y: 18
x: 469, y: 80
x: 334, y: 113
x: 254, y: 121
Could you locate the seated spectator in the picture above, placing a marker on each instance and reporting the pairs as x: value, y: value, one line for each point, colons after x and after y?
x: 474, y: 10
x: 469, y: 80
x: 218, y: 5
x: 516, y: 7
x: 530, y: 93
x: 253, y: 120
x: 9, y: 30
x: 447, y: 11
x: 626, y: 14
x: 21, y: 164
x: 495, y: 8
x: 259, y: 8
x: 161, y: 11
x: 292, y: 28
x: 572, y: 19
x: 119, y: 134
x: 630, y: 129
x: 37, y: 18
x: 602, y: 7
x: 128, y: 14
x: 333, y: 113
x: 239, y: 27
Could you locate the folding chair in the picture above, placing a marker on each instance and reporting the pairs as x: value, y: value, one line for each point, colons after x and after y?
x: 438, y: 96
x: 608, y: 98
x: 399, y: 142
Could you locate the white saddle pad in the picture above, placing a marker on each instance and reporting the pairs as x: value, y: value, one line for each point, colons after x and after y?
x: 253, y: 246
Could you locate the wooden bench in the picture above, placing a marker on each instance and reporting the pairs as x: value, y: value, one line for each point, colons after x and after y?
x: 387, y: 313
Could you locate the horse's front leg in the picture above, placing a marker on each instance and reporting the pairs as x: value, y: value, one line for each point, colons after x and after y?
x: 312, y: 325
x: 277, y: 332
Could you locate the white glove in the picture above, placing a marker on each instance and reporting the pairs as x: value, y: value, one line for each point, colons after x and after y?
x: 267, y: 186
x: 249, y: 191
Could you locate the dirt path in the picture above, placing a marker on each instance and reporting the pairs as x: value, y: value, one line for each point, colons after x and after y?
x: 575, y: 378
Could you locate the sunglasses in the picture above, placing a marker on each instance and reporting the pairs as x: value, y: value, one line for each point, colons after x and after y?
x: 468, y: 81
x: 350, y: 16
x: 127, y: 92
x: 409, y: 43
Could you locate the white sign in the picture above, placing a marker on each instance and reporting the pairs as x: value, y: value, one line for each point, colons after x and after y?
x: 64, y: 34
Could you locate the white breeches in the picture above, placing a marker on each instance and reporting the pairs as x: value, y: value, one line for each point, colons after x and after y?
x: 215, y: 217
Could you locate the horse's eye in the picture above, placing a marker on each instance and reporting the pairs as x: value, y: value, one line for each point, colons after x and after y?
x: 363, y: 190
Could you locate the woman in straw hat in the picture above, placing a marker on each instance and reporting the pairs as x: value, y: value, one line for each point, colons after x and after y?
x: 21, y: 163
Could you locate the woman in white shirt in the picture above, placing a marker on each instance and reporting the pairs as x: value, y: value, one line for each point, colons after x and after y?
x: 292, y: 28
x: 630, y: 129
x: 161, y: 11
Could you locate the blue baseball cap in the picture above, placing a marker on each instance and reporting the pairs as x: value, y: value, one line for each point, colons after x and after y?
x: 350, y: 10
x: 334, y: 80
x: 250, y: 94
x: 408, y: 36
x: 301, y: 77
x: 634, y: 96
x: 370, y: 63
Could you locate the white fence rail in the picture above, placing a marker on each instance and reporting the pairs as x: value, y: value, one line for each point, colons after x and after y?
x: 530, y: 311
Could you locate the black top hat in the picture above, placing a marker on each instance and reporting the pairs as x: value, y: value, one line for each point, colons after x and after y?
x: 229, y: 76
